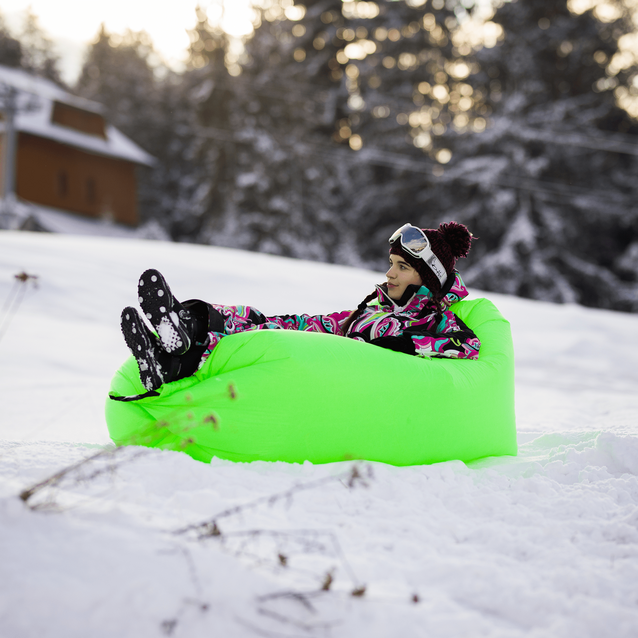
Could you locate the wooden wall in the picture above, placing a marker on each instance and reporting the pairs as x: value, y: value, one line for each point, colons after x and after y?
x: 53, y: 174
x: 78, y: 119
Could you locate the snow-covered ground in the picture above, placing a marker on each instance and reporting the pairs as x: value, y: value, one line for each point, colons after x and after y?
x: 543, y: 544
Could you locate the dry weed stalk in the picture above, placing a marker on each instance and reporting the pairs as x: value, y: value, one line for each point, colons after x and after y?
x: 309, y: 539
x: 14, y: 299
x: 352, y: 477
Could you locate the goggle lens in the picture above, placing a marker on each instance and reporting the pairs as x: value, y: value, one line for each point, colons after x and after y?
x: 413, y: 239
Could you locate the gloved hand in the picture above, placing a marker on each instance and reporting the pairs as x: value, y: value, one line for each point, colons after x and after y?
x: 402, y: 343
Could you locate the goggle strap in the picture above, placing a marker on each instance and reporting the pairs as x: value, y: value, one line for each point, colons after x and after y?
x: 435, y: 265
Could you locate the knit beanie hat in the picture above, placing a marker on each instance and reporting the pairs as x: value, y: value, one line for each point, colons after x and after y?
x: 449, y: 242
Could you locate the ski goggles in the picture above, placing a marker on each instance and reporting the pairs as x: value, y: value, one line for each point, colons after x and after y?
x: 415, y: 242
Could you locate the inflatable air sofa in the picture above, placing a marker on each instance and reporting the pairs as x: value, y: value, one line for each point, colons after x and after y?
x: 279, y: 395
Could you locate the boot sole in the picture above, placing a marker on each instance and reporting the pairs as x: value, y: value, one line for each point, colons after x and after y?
x: 158, y: 305
x: 139, y: 343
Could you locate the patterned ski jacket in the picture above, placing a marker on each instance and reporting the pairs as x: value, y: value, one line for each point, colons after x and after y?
x: 414, y: 325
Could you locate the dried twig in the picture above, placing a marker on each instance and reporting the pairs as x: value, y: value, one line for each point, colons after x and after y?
x: 55, y: 479
x: 145, y: 438
x: 14, y: 299
x: 352, y: 477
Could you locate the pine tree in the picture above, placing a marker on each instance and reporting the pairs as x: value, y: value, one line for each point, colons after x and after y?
x: 37, y: 50
x: 207, y: 88
x: 10, y: 47
x: 554, y: 211
x: 118, y: 72
x: 283, y: 194
x: 318, y: 83
x: 147, y: 102
x: 31, y: 50
x: 405, y: 82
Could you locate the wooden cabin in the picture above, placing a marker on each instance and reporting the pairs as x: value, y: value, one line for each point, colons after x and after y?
x: 67, y: 156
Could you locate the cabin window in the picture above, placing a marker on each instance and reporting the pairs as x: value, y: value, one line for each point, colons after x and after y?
x: 78, y: 119
x: 63, y: 184
x: 91, y: 196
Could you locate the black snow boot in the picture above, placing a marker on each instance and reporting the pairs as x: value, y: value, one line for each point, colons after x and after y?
x: 206, y: 319
x: 174, y: 324
x: 179, y: 325
x: 156, y: 366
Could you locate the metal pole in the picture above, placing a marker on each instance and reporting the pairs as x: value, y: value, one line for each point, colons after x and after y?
x: 9, y: 108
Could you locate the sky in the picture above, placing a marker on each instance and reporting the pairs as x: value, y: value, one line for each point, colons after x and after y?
x: 71, y: 24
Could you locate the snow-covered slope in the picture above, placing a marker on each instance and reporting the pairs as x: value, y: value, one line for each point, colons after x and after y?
x: 544, y: 544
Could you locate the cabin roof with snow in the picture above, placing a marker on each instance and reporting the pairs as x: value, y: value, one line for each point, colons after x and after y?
x: 67, y: 119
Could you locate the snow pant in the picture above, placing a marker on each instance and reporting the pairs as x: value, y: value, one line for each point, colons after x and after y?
x: 206, y: 320
x: 242, y: 318
x: 220, y: 321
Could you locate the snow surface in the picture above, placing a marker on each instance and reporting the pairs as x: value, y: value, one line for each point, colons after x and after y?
x: 543, y: 544
x: 56, y: 220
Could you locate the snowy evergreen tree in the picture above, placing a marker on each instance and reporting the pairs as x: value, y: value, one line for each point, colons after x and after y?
x: 119, y: 74
x: 544, y: 187
x: 328, y: 92
x: 146, y: 101
x: 208, y: 88
x: 10, y: 47
x: 338, y: 121
x: 405, y: 80
x: 31, y: 49
x: 37, y: 50
x: 283, y: 195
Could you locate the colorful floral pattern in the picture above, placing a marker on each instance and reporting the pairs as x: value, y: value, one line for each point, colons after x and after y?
x: 435, y: 331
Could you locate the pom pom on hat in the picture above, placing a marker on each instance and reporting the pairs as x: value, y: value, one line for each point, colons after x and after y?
x: 449, y: 242
x: 456, y: 236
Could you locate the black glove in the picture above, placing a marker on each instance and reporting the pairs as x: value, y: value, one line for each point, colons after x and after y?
x: 402, y: 343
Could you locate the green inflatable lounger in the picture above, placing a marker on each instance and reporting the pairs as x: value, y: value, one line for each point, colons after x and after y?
x: 280, y: 395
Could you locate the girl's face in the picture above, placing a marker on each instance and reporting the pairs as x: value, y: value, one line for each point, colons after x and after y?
x: 400, y: 276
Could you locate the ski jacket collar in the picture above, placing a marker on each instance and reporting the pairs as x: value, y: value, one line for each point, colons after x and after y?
x: 419, y: 294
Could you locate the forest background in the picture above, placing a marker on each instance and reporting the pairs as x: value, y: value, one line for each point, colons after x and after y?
x: 335, y: 122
